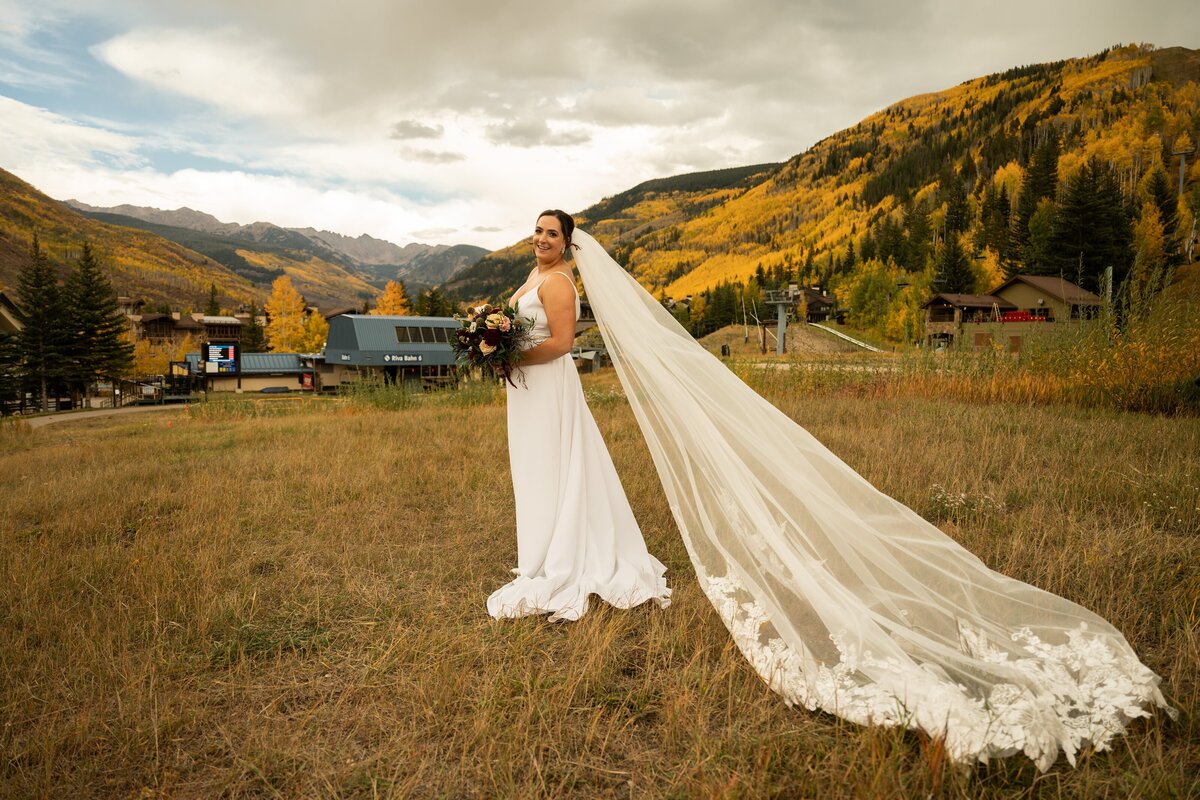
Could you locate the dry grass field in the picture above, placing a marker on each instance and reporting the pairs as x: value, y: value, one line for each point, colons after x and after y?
x: 257, y: 599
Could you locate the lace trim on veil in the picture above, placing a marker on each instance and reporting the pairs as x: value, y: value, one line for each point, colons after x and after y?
x: 1095, y: 691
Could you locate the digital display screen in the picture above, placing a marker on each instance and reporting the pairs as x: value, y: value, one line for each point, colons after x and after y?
x: 221, y: 357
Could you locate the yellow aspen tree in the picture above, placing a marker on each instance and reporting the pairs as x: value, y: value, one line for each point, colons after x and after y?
x: 393, y: 301
x: 187, y: 344
x: 316, y: 331
x: 1149, y: 256
x: 285, y: 317
x: 148, y: 359
x: 988, y: 271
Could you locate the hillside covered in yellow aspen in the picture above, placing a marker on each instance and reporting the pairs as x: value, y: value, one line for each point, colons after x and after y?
x: 878, y: 201
x: 145, y: 265
x: 139, y: 264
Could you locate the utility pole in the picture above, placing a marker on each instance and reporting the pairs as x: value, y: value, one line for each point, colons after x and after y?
x: 745, y: 324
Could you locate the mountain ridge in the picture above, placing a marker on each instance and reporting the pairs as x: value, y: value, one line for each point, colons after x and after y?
x: 374, y: 260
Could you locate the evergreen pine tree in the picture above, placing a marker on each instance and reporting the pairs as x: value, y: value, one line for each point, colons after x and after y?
x: 213, y: 308
x: 1092, y: 228
x: 435, y: 303
x: 1041, y: 180
x: 958, y: 212
x: 253, y: 339
x: 954, y: 273
x: 1160, y: 192
x: 1002, y: 220
x: 868, y: 250
x: 1038, y: 256
x: 918, y: 233
x: 850, y: 258
x: 96, y: 325
x: 41, y: 343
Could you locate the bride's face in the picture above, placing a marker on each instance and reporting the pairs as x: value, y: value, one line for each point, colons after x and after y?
x: 547, y: 239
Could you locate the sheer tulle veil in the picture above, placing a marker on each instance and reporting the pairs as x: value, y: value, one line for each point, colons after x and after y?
x: 842, y: 598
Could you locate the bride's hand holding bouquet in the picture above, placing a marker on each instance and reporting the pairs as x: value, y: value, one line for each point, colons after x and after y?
x: 492, y: 337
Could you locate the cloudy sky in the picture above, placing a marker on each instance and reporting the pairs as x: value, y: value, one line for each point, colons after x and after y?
x: 449, y: 121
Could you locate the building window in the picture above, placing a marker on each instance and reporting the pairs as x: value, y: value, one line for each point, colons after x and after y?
x: 441, y: 334
x: 1014, y: 344
x: 402, y: 334
x: 941, y: 314
x: 983, y: 340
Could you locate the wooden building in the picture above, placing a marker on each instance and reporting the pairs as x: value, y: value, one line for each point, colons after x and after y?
x: 1016, y: 309
x: 819, y: 305
x: 165, y: 328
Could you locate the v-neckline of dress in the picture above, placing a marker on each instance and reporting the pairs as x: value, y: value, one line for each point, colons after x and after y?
x: 533, y: 289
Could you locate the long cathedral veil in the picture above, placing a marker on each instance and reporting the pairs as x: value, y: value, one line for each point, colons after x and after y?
x: 842, y: 598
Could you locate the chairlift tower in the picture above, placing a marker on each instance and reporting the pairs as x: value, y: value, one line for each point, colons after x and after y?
x: 783, y: 300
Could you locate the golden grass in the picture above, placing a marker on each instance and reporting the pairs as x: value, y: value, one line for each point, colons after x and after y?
x: 231, y: 603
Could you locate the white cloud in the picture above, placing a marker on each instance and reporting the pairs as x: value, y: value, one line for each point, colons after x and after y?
x: 223, y: 68
x: 398, y: 118
x: 34, y: 138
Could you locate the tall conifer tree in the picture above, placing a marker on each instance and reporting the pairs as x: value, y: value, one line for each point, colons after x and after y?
x: 918, y: 236
x: 213, y: 307
x: 958, y: 212
x: 954, y: 273
x: 1092, y: 228
x: 1160, y: 192
x: 253, y: 340
x: 96, y: 326
x: 42, y: 342
x: 1041, y: 181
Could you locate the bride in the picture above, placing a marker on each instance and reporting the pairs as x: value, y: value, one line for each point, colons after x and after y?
x: 840, y: 597
x: 576, y: 535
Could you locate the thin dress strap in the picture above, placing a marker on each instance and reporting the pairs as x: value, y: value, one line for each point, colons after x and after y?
x: 556, y: 272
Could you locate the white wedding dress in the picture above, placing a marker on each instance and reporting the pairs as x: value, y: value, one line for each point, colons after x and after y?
x: 576, y: 535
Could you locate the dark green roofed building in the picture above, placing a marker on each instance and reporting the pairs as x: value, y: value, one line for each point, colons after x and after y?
x: 399, y: 347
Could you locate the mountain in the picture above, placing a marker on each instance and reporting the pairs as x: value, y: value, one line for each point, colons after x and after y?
x: 368, y: 259
x: 139, y: 263
x: 895, y: 182
x: 322, y: 281
x: 631, y: 216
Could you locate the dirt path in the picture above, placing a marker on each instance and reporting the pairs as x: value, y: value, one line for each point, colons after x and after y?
x: 68, y: 416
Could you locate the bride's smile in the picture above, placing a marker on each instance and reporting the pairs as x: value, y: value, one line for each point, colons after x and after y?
x: 548, y: 242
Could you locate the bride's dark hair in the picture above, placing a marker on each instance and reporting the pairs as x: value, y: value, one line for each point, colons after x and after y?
x: 564, y: 219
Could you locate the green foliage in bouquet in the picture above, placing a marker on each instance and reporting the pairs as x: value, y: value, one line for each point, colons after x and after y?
x: 492, y: 337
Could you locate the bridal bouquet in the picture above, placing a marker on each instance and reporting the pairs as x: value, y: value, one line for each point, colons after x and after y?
x: 492, y: 336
